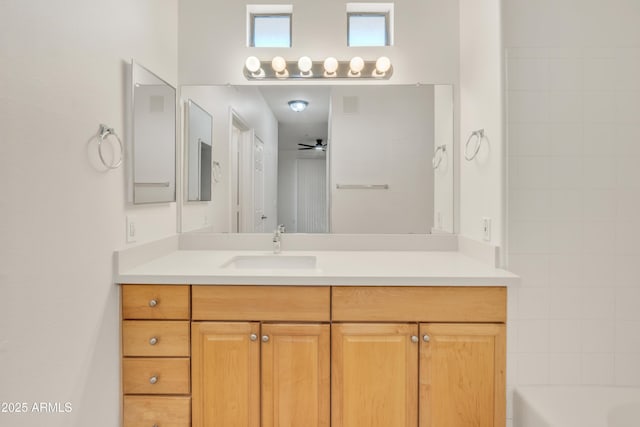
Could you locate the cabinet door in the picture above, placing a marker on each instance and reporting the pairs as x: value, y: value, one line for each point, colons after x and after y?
x: 374, y: 375
x: 462, y: 375
x: 225, y: 372
x: 295, y: 375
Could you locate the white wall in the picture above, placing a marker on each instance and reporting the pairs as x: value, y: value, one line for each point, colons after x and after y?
x: 249, y: 104
x: 63, y: 215
x: 212, y: 45
x: 397, y: 152
x: 443, y: 176
x: 481, y: 180
x: 574, y: 191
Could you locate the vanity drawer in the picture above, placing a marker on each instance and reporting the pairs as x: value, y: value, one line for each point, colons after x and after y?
x: 419, y: 304
x: 265, y: 303
x: 155, y: 338
x: 147, y: 411
x: 155, y: 302
x: 155, y: 376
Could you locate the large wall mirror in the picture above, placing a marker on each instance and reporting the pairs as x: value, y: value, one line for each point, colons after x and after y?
x: 358, y: 159
x: 153, y: 142
x: 198, y: 144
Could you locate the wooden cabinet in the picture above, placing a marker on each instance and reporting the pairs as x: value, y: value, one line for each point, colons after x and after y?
x: 374, y: 375
x: 226, y: 374
x: 230, y: 374
x: 313, y: 356
x: 295, y: 375
x: 461, y: 379
x: 156, y: 356
x: 462, y: 375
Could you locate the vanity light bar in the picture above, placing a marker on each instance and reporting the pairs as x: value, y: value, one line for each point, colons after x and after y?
x: 305, y: 68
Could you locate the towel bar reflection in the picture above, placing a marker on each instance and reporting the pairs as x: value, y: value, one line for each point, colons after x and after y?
x: 479, y: 136
x: 438, y: 156
x: 152, y: 184
x: 103, y: 133
x: 362, y: 186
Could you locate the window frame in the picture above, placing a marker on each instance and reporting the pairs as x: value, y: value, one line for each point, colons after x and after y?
x: 387, y: 26
x: 252, y: 29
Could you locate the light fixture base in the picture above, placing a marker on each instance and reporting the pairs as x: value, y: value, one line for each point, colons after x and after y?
x: 317, y: 71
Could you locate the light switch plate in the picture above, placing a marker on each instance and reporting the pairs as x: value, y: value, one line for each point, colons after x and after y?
x: 486, y: 229
x: 131, y: 229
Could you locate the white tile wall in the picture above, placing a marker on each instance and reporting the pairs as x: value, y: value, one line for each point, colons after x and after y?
x: 574, y: 216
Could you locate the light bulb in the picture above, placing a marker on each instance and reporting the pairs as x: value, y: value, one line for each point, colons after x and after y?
x: 253, y: 64
x: 383, y: 64
x: 331, y: 65
x: 278, y: 64
x: 305, y: 64
x: 356, y: 65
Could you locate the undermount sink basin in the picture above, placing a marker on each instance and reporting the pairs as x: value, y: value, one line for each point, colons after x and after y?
x: 272, y: 262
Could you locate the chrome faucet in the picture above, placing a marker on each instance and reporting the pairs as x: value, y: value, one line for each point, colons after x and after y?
x: 277, y: 239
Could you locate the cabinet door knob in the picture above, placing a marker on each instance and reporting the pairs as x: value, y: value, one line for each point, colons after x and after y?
x: 265, y: 338
x: 414, y: 338
x: 153, y: 302
x: 153, y: 379
x: 426, y: 338
x: 253, y: 337
x: 153, y: 341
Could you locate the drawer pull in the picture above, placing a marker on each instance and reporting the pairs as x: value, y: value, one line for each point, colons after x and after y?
x: 253, y: 337
x: 153, y: 379
x: 426, y: 338
x: 265, y: 338
x: 153, y: 341
x: 414, y: 339
x: 153, y: 302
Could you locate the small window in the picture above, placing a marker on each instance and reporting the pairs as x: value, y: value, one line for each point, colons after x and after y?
x: 368, y: 29
x: 369, y: 24
x: 269, y: 25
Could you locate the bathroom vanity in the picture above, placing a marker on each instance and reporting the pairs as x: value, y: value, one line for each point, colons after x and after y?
x: 206, y: 342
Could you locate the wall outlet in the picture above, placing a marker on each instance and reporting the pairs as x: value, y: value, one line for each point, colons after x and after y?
x: 131, y: 229
x: 486, y: 229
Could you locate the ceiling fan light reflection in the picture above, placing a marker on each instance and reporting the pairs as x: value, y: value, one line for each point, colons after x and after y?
x: 298, y: 105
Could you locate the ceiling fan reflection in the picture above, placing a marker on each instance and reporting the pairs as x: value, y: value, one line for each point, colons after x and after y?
x: 319, y: 146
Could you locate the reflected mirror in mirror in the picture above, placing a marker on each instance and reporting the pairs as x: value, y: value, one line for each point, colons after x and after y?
x: 153, y: 168
x: 198, y: 152
x: 358, y: 159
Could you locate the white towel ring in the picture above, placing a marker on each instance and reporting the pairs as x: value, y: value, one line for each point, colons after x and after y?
x: 438, y: 156
x: 479, y: 136
x: 103, y: 133
x: 217, y: 171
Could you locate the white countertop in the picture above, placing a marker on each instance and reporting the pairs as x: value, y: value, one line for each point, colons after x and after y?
x: 374, y: 268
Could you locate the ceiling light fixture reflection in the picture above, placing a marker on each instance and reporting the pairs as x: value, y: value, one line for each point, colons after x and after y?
x: 298, y: 105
